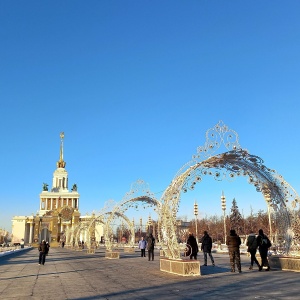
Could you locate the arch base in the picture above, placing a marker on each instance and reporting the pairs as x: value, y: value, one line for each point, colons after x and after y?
x: 285, y: 263
x: 112, y: 255
x: 180, y: 267
x: 129, y: 250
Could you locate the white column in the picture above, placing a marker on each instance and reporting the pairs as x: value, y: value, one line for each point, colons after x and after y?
x: 30, y: 233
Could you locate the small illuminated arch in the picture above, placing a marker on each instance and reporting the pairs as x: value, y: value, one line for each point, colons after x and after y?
x: 139, y: 192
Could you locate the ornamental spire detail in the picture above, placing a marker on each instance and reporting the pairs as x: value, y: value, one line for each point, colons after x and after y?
x: 61, y: 163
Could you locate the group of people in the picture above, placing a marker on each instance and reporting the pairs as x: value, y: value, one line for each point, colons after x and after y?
x: 261, y: 242
x: 147, y: 244
x: 43, y: 251
x: 206, y: 246
x: 81, y: 244
x: 233, y: 242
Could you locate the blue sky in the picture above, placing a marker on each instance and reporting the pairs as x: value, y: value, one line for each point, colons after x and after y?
x: 135, y: 85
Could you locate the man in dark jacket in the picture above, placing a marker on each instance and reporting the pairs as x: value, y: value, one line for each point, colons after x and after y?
x: 150, y: 246
x: 264, y: 244
x: 43, y: 249
x: 206, y: 246
x: 233, y: 243
x: 192, y: 243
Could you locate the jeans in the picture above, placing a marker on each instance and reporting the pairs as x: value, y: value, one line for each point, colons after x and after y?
x: 205, y: 257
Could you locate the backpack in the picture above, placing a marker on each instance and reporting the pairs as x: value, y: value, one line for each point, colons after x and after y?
x: 266, y: 242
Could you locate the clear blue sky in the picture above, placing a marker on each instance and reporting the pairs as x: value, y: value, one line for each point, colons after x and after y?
x: 135, y: 85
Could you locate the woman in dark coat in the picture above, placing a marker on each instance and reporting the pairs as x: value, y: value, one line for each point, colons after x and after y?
x: 192, y: 243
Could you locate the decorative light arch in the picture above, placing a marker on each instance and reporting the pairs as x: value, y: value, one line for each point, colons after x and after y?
x: 80, y: 228
x: 139, y: 192
x: 278, y: 194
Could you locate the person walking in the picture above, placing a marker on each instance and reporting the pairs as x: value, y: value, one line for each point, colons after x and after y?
x: 150, y: 246
x: 42, y: 252
x: 252, y: 249
x: 206, y: 246
x: 233, y: 243
x: 264, y: 244
x: 142, y: 246
x: 193, y: 245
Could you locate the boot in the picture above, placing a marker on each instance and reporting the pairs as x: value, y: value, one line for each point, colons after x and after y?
x: 251, y: 268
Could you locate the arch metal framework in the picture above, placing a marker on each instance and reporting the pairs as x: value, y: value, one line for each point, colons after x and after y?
x: 139, y: 192
x: 278, y: 194
x: 73, y: 234
x: 87, y: 227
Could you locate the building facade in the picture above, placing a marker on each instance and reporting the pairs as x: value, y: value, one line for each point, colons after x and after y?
x: 58, y: 212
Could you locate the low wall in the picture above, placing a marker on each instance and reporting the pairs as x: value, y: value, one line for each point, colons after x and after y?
x: 14, y: 252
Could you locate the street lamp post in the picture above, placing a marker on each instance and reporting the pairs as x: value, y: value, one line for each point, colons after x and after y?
x: 141, y: 226
x: 133, y: 226
x: 270, y: 222
x: 223, y: 204
x: 196, y: 218
x: 149, y: 224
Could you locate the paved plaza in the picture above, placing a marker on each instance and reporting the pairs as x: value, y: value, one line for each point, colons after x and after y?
x: 69, y: 274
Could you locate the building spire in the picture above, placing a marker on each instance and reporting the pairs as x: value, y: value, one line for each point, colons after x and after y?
x: 61, y: 163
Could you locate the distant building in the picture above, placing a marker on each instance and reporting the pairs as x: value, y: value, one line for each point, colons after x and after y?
x: 58, y: 212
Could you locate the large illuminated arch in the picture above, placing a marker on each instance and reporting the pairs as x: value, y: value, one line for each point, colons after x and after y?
x: 278, y: 194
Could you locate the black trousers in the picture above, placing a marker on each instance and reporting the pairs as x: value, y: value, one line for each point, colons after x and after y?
x: 143, y: 253
x: 264, y: 258
x: 253, y: 257
x: 42, y: 258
